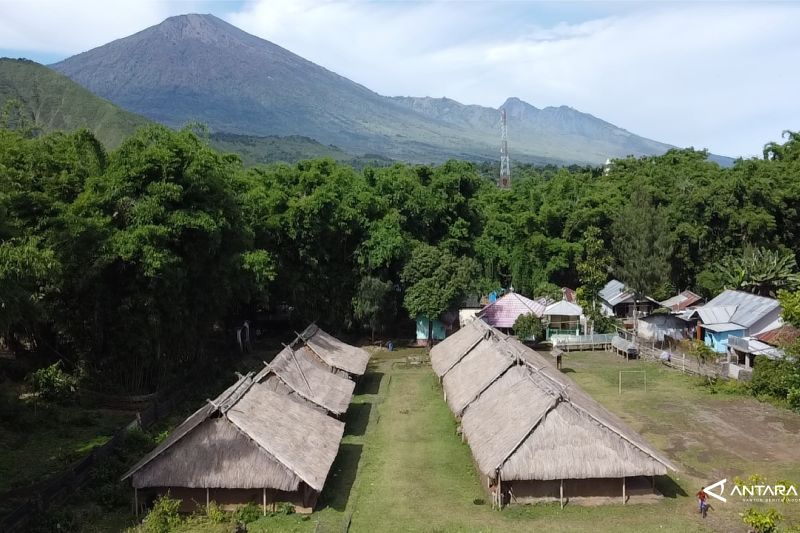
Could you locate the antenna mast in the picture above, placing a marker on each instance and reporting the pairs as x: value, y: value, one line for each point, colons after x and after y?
x: 505, y: 166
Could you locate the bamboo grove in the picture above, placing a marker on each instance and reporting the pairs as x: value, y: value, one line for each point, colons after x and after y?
x: 123, y: 263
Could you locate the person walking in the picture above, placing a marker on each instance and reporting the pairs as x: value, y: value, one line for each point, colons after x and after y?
x: 702, y: 499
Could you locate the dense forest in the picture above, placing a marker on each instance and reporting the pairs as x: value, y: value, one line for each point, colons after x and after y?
x: 123, y: 263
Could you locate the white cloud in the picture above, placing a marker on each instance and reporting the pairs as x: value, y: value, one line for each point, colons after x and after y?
x: 70, y: 27
x: 718, y: 75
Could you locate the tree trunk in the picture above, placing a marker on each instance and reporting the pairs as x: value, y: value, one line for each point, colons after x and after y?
x: 430, y: 333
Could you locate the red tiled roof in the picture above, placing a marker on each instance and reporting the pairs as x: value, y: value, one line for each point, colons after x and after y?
x: 782, y: 335
x: 505, y: 311
x: 682, y: 301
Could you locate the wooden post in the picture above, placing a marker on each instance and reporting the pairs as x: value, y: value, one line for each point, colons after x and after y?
x: 136, y: 502
x: 208, y: 497
x: 264, y: 501
x: 561, y: 494
x: 623, y: 491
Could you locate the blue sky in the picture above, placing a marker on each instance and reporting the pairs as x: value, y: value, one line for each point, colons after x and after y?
x: 717, y: 75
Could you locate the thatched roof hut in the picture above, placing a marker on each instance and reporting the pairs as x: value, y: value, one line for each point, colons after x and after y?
x: 475, y: 371
x: 529, y: 426
x: 335, y: 353
x: 248, y: 443
x: 534, y: 434
x: 293, y: 373
x: 449, y: 352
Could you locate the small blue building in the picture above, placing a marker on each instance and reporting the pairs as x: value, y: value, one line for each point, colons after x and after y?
x: 716, y: 335
x: 422, y: 329
x: 735, y: 314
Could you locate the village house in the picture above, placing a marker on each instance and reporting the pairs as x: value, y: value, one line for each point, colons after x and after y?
x: 735, y: 314
x: 618, y: 301
x: 505, y: 310
x: 249, y: 445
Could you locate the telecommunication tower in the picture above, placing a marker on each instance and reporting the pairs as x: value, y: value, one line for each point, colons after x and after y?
x: 505, y: 166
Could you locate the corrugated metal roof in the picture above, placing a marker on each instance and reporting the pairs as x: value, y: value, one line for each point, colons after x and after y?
x: 724, y: 326
x: 613, y: 292
x: 564, y: 308
x: 716, y: 315
x: 505, y: 311
x: 782, y: 335
x: 749, y: 307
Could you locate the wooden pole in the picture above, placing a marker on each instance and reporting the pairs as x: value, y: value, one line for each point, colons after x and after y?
x: 264, y: 501
x: 136, y: 502
x: 561, y: 494
x: 208, y: 497
x: 623, y: 491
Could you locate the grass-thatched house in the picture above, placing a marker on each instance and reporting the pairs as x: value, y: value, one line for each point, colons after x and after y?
x: 294, y: 374
x: 536, y: 436
x: 251, y: 444
x: 340, y: 357
x: 445, y: 355
x: 475, y: 371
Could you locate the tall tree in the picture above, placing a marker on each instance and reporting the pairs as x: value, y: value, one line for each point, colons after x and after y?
x: 435, y: 281
x: 593, y: 266
x: 641, y: 243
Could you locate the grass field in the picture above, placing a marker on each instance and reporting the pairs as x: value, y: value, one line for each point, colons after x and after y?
x: 402, y: 467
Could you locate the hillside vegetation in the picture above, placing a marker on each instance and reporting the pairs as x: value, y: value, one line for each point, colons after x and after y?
x: 53, y: 102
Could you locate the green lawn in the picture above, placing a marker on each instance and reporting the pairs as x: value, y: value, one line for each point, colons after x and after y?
x: 402, y: 467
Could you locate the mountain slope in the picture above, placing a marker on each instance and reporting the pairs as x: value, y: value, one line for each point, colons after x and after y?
x: 198, y: 67
x: 54, y: 102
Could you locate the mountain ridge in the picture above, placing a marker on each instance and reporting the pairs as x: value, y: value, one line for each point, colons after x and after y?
x: 199, y: 67
x: 53, y: 102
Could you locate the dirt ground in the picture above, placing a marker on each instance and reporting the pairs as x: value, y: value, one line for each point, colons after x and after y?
x: 709, y: 436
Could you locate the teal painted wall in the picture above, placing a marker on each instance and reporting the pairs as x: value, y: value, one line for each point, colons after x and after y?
x: 422, y: 329
x: 719, y: 341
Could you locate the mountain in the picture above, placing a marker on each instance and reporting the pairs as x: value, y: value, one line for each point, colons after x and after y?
x: 54, y: 102
x: 198, y: 67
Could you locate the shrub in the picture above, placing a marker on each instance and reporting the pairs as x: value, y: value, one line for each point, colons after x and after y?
x: 53, y: 384
x: 247, y: 514
x: 776, y: 378
x: 766, y: 522
x: 56, y: 521
x: 285, y: 508
x: 164, y: 516
x: 527, y: 326
x: 215, y: 514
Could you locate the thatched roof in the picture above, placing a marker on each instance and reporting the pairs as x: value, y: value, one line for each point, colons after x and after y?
x: 448, y: 352
x: 334, y: 352
x: 535, y: 423
x: 308, y: 381
x: 478, y: 369
x: 248, y: 437
x: 216, y: 454
x: 300, y: 438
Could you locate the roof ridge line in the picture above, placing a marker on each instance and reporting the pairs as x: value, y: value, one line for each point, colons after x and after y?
x: 558, y: 399
x: 485, y: 337
x: 498, y: 376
